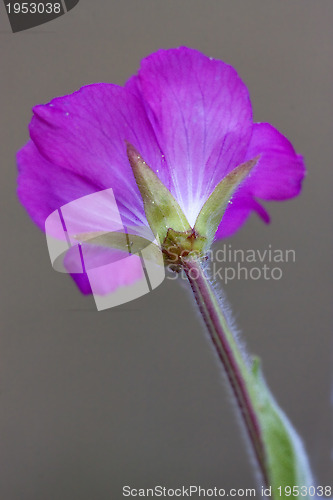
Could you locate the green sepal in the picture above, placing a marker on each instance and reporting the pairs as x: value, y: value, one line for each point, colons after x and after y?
x: 213, y: 210
x: 161, y: 208
x: 179, y: 245
x: 114, y: 239
x: 126, y: 242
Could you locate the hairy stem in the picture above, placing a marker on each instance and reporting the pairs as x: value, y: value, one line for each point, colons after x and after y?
x: 236, y: 367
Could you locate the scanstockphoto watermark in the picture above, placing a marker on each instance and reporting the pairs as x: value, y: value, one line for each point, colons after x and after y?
x: 187, y: 491
x: 228, y: 263
x: 214, y: 492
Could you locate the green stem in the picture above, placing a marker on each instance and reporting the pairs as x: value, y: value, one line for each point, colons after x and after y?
x: 236, y: 367
x: 277, y: 447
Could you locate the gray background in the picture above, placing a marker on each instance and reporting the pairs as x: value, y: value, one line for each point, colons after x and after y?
x: 133, y: 395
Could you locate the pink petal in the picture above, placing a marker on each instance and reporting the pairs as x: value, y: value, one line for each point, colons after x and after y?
x: 238, y: 212
x: 85, y: 132
x: 102, y: 271
x: 201, y: 115
x: 280, y: 170
x: 43, y: 186
x: 277, y: 176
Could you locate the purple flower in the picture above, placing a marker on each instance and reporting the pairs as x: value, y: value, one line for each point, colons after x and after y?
x: 190, y: 118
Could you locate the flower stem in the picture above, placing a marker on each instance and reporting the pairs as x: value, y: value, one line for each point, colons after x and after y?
x: 236, y: 366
